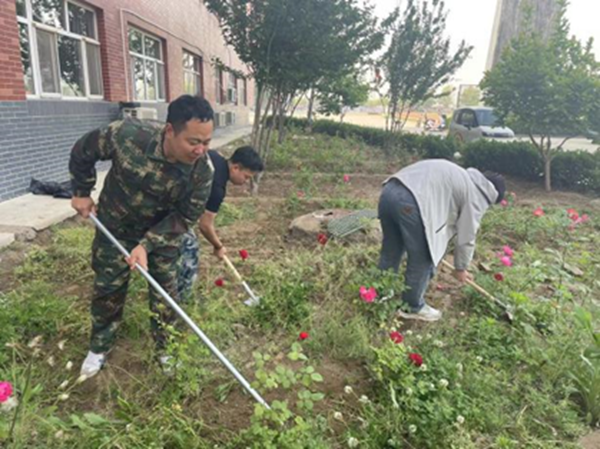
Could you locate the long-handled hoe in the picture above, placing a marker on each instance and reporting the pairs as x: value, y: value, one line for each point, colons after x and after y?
x: 184, y: 316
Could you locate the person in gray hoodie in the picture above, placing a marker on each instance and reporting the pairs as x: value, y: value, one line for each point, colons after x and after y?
x: 421, y: 208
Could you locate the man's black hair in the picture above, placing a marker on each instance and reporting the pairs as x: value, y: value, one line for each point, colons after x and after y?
x: 247, y: 158
x: 186, y: 108
x: 498, y: 181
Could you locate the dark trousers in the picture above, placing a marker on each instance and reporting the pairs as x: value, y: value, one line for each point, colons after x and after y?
x: 403, y: 231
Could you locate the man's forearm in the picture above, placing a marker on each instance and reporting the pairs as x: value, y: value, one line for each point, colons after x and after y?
x: 210, y: 233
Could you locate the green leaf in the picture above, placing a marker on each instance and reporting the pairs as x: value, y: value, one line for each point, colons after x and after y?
x: 95, y: 420
x: 316, y: 377
x: 317, y: 396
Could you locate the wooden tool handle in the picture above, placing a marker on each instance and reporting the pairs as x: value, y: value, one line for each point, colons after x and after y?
x: 233, y: 269
x: 471, y: 283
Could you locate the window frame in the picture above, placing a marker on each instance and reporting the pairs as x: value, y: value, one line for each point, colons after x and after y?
x: 198, y: 74
x: 33, y: 27
x: 220, y: 95
x: 244, y: 92
x: 232, y: 82
x: 146, y: 58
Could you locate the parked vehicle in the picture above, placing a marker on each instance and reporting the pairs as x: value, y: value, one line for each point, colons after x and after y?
x: 469, y: 124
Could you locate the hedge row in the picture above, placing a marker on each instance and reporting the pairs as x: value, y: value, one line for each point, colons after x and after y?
x: 423, y: 146
x: 571, y: 170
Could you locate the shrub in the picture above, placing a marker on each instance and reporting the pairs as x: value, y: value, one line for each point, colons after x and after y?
x: 519, y: 159
x: 571, y: 170
x: 390, y: 143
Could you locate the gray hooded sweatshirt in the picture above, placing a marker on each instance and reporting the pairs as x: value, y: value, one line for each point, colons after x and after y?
x: 452, y: 202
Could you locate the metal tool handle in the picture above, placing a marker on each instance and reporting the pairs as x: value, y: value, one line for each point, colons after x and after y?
x: 183, y: 315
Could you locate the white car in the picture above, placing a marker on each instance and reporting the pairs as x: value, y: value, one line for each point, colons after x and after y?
x: 469, y: 124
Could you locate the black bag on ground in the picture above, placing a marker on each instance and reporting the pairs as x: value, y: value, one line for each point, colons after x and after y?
x: 56, y: 189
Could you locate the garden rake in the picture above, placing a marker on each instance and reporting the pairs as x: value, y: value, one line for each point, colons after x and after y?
x: 507, y: 310
x: 253, y: 300
x: 183, y: 316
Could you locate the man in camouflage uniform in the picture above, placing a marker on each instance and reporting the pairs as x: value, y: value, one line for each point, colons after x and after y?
x: 154, y: 192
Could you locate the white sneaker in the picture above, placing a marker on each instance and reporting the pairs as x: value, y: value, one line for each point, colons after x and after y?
x: 427, y: 313
x: 92, y: 364
x: 168, y: 365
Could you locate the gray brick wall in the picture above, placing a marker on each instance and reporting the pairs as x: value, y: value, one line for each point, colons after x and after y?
x: 36, y: 137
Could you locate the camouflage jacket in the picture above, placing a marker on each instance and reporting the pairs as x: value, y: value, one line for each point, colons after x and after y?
x: 144, y: 195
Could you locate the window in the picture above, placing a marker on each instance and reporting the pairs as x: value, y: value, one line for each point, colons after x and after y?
x: 219, y: 91
x: 192, y: 74
x: 244, y: 92
x: 467, y: 118
x: 147, y: 66
x: 232, y: 89
x: 60, y: 52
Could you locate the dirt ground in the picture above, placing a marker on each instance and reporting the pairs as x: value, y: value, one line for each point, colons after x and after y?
x: 591, y: 441
x: 266, y: 236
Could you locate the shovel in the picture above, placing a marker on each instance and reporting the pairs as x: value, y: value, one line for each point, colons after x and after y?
x: 508, y: 315
x: 253, y: 300
x: 183, y: 316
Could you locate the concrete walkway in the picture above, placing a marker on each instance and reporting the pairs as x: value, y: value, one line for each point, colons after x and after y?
x: 22, y: 217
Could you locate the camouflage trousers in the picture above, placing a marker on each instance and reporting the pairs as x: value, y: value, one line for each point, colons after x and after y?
x: 110, y: 289
x: 187, y: 268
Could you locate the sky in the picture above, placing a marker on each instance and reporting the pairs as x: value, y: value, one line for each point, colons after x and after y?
x: 472, y: 21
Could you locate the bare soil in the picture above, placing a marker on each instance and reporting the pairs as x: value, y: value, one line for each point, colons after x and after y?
x: 265, y: 237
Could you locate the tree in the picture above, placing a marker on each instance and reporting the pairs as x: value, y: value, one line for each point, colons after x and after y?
x: 546, y: 89
x: 338, y: 95
x: 418, y: 60
x: 470, y: 96
x: 289, y: 45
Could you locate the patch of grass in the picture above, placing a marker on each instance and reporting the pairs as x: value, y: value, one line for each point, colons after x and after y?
x: 330, y: 154
x: 231, y: 213
x: 486, y: 383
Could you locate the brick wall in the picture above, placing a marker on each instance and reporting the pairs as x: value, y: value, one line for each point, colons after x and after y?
x: 36, y: 135
x: 182, y: 25
x: 11, y: 75
x: 36, y: 138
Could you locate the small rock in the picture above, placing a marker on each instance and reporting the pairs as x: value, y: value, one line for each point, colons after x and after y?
x: 25, y: 235
x: 573, y: 270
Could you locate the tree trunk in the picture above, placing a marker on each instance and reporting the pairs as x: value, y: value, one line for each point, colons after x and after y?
x: 257, y: 115
x: 548, y: 173
x: 309, y: 116
x: 281, y: 122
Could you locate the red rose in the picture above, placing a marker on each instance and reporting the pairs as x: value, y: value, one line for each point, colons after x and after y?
x: 415, y: 358
x: 219, y: 282
x: 322, y: 238
x: 303, y: 336
x: 396, y: 337
x: 243, y: 254
x: 499, y: 277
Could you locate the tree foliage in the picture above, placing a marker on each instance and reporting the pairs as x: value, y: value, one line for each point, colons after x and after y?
x: 339, y: 94
x: 418, y: 60
x: 289, y: 45
x: 547, y: 89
